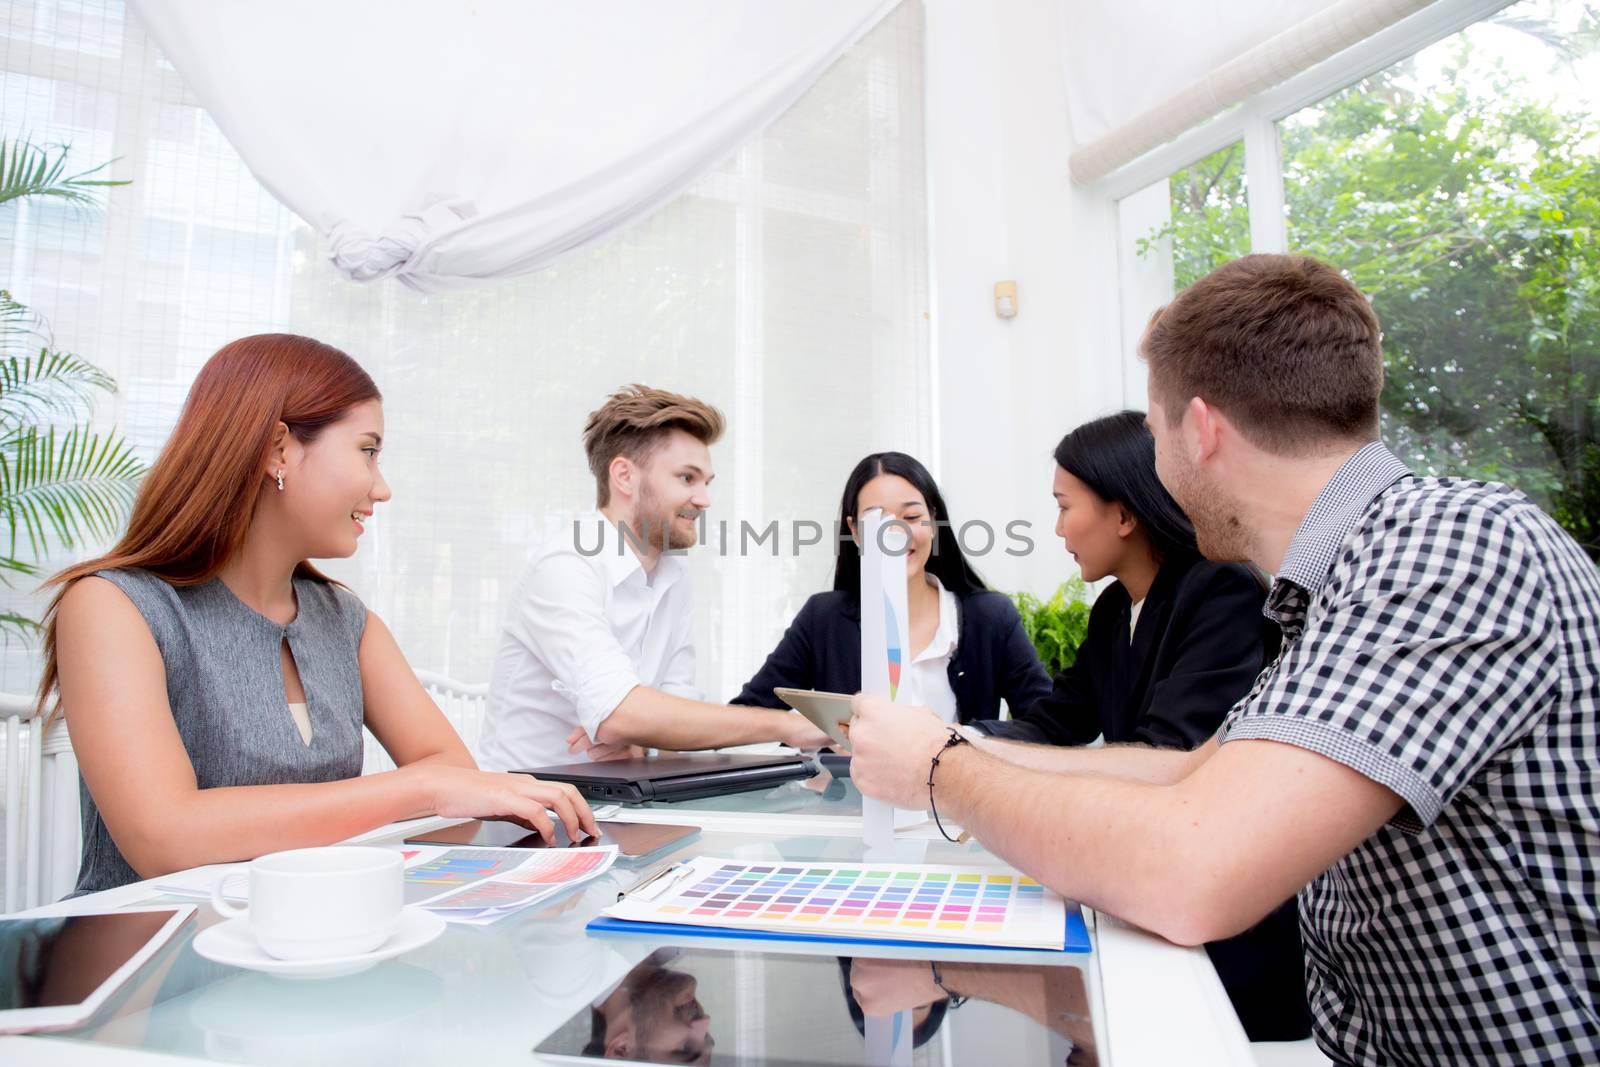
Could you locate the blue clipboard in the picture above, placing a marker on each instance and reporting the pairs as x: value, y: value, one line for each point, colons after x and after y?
x: 1075, y: 939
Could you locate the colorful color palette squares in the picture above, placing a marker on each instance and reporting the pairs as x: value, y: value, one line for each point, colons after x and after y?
x: 947, y: 904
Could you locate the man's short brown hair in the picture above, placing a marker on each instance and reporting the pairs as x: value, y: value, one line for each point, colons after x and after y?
x: 1284, y: 346
x: 634, y: 421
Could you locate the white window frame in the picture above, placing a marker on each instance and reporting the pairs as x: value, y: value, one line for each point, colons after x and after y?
x: 1255, y: 122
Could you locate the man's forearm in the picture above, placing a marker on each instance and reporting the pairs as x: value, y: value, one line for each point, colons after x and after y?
x: 1195, y: 860
x: 1134, y: 763
x: 1072, y: 832
x: 660, y: 720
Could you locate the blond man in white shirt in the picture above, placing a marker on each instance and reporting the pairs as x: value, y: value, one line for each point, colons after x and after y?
x: 597, y: 655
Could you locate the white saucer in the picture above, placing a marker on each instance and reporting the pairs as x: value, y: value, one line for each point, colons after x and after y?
x: 232, y: 943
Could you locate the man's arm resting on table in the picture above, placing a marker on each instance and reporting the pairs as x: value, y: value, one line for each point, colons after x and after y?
x: 1136, y: 763
x: 1197, y: 860
x: 655, y: 719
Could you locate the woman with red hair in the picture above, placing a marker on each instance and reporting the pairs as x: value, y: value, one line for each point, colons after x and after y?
x: 216, y: 683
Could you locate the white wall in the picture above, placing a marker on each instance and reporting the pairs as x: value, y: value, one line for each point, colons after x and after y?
x: 1002, y: 207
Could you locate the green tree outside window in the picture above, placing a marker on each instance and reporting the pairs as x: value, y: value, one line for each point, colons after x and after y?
x: 1467, y: 206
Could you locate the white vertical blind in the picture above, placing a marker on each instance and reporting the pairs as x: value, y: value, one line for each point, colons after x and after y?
x: 788, y: 286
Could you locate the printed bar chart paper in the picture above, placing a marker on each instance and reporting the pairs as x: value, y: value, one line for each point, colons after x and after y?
x: 885, y: 644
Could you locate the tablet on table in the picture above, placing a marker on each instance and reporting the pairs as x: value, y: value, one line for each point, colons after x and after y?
x: 828, y: 712
x: 59, y: 970
x: 634, y: 840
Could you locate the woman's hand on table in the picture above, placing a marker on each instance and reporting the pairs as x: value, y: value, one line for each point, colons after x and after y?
x: 459, y: 793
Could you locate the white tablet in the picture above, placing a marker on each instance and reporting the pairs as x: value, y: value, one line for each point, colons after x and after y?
x: 828, y: 712
x: 61, y: 969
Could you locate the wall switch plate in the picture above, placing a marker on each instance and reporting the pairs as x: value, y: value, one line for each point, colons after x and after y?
x: 1005, y: 299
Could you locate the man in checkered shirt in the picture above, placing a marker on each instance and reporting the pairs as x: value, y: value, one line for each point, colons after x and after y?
x: 1422, y: 763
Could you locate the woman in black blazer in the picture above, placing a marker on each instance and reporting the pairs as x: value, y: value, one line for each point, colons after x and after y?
x: 992, y: 659
x: 1172, y: 644
x: 1175, y: 640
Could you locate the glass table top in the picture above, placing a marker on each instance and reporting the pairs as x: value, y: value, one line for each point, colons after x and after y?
x: 493, y: 994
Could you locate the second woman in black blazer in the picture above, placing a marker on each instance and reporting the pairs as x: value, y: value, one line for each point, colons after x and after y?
x: 1200, y: 641
x: 1172, y: 644
x: 1175, y: 640
x: 993, y: 660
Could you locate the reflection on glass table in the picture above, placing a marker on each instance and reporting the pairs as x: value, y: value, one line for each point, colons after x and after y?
x: 785, y: 1010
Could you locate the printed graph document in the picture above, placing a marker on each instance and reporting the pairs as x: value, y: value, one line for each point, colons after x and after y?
x: 476, y: 886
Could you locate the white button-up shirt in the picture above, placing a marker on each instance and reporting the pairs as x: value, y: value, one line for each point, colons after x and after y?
x: 584, y: 628
x: 929, y: 677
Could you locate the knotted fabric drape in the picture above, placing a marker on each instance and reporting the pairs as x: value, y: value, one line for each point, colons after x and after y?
x: 449, y: 144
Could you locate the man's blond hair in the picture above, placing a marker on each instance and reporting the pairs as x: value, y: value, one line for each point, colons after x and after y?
x: 634, y: 421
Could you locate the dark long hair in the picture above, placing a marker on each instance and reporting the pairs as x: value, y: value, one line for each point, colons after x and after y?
x: 946, y: 561
x: 1116, y: 457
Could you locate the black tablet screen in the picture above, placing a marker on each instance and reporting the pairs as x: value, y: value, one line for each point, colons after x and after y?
x: 53, y: 962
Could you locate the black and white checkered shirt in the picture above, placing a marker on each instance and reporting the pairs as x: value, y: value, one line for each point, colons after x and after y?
x: 1442, y: 637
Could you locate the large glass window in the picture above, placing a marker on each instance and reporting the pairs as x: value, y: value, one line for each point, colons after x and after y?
x: 1460, y: 189
x: 1171, y: 233
x: 1210, y: 216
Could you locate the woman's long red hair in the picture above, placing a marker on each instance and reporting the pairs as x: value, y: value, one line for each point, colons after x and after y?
x: 195, y: 505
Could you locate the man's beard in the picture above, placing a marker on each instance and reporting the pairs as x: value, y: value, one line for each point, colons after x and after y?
x: 655, y: 524
x: 1217, y: 529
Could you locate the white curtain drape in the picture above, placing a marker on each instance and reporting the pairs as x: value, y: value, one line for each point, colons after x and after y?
x: 450, y: 144
x: 1140, y: 72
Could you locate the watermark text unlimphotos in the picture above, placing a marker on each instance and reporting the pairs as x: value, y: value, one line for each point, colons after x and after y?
x: 977, y: 537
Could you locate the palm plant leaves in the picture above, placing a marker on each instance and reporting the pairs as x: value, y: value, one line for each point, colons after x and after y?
x: 47, y: 385
x: 59, y: 484
x: 27, y: 169
x: 19, y: 320
x: 66, y: 487
x: 69, y: 488
x: 18, y: 626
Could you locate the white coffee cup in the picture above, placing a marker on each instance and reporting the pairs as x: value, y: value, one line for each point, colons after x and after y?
x: 320, y: 903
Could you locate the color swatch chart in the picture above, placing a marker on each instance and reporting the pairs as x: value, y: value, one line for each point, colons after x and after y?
x: 966, y: 905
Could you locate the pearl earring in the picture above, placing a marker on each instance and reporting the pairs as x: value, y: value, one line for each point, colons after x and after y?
x: 280, y: 479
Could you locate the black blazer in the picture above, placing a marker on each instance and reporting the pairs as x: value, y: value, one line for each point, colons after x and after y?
x: 1200, y: 642
x: 822, y: 650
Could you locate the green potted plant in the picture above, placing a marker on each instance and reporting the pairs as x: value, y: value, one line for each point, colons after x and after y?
x: 61, y: 483
x: 1056, y: 626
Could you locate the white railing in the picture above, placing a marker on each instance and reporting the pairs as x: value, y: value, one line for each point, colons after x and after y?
x: 41, y: 788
